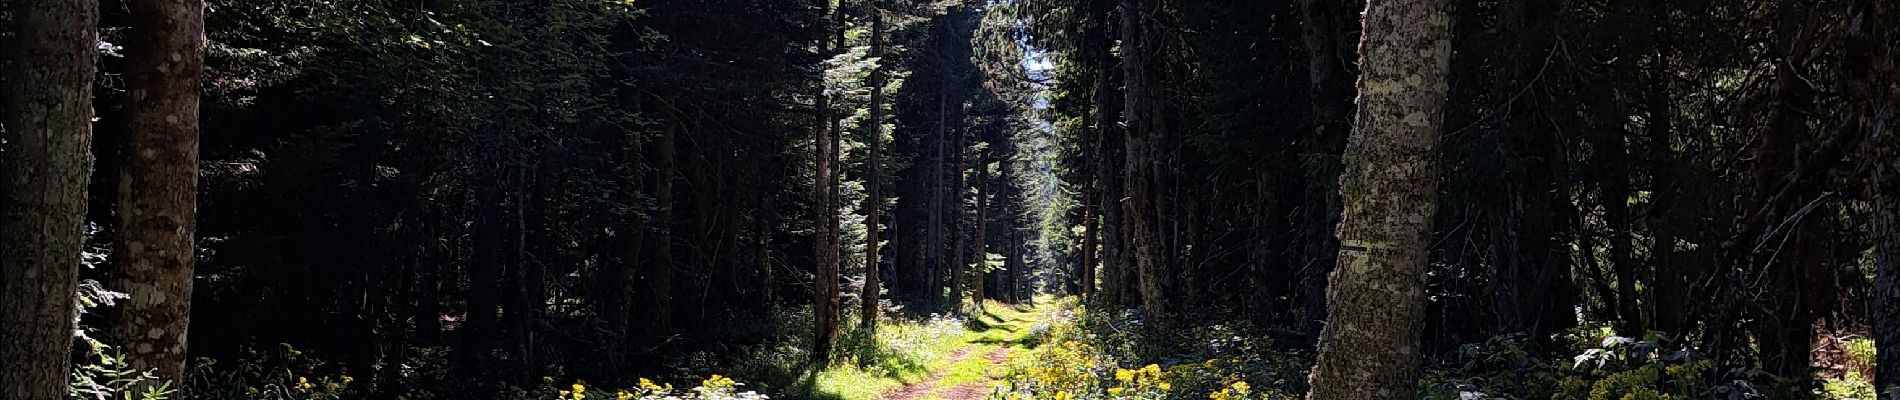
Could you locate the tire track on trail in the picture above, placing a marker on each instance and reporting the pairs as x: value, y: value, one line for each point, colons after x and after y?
x: 976, y: 390
x: 1001, y: 334
x: 966, y: 391
x: 920, y: 389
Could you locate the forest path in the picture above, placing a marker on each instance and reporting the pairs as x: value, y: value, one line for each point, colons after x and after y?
x: 969, y: 376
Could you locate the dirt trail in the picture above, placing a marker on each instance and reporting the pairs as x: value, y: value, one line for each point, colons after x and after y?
x: 976, y: 390
x: 1004, y: 332
x: 967, y: 391
x: 918, y: 390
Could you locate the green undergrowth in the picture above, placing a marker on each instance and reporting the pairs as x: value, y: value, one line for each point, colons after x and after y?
x: 1085, y: 355
x: 1102, y: 355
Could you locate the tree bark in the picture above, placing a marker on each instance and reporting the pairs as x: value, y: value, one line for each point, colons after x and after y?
x: 1085, y: 280
x: 1327, y: 32
x: 1369, y: 348
x: 46, y: 108
x: 624, y: 281
x: 959, y: 262
x: 429, y: 276
x: 1147, y: 134
x: 825, y: 273
x: 1528, y: 266
x: 158, y: 185
x: 982, y: 227
x: 1617, y: 215
x: 1873, y: 84
x: 930, y: 288
x: 1614, y: 196
x: 1670, y: 281
x: 1109, y: 149
x: 874, y: 182
x: 659, y: 275
x: 484, y: 272
x: 1784, y: 331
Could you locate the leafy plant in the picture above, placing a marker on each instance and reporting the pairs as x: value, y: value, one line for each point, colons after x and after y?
x: 282, y: 373
x: 715, y: 387
x: 105, y: 375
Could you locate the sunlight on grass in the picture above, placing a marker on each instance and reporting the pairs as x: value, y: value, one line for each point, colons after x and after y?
x: 973, y: 369
x: 905, y: 352
x: 1000, y: 323
x: 910, y: 352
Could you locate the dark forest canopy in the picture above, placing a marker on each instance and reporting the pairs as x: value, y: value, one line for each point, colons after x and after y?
x: 909, y: 199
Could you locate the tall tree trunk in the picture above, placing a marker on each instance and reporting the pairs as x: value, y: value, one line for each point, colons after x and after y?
x: 158, y: 185
x: 624, y: 281
x: 933, y: 223
x: 1785, y: 332
x: 1873, y: 83
x: 1015, y: 266
x: 429, y: 276
x: 1109, y: 148
x: 1528, y: 265
x: 516, y: 306
x: 833, y: 255
x: 1085, y: 269
x: 537, y: 253
x: 1328, y: 32
x: 960, y: 247
x: 874, y: 182
x: 46, y: 107
x: 1369, y: 348
x: 825, y: 273
x: 1147, y: 135
x: 1085, y: 279
x: 659, y: 275
x: 762, y: 228
x: 1670, y: 281
x: 1615, y: 197
x: 1007, y: 195
x: 982, y: 227
x: 484, y: 272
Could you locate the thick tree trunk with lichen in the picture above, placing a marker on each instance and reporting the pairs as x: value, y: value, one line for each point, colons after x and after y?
x: 46, y: 108
x: 158, y: 186
x: 1369, y: 348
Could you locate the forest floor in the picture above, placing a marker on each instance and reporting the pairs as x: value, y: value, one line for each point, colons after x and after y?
x: 972, y: 366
